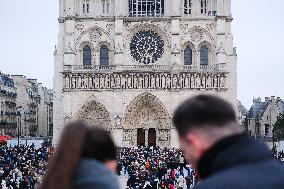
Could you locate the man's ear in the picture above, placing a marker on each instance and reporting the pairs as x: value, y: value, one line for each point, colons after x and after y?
x: 197, y: 142
x: 111, y: 165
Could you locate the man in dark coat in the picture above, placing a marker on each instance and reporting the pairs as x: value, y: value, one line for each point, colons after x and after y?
x: 224, y: 157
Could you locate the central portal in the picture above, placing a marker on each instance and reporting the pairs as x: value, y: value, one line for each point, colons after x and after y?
x: 146, y: 122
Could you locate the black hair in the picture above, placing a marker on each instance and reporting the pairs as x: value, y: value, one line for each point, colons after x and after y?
x: 99, y: 145
x: 203, y: 110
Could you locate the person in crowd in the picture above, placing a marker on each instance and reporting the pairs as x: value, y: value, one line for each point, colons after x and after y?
x: 189, y: 181
x: 181, y: 183
x: 279, y: 155
x: 85, y: 159
x: 161, y: 167
x: 19, y: 164
x: 223, y: 156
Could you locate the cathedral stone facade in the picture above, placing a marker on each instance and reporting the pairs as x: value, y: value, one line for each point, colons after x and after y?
x: 125, y: 65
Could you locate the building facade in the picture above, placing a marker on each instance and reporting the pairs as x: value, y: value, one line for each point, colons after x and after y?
x: 8, y: 114
x: 35, y: 107
x: 263, y: 115
x: 45, y: 107
x: 127, y: 64
x: 242, y: 115
x: 27, y: 104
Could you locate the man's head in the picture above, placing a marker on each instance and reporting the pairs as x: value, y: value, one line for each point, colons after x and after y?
x: 201, y: 121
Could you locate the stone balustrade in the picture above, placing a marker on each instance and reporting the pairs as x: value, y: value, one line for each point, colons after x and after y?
x: 145, y: 68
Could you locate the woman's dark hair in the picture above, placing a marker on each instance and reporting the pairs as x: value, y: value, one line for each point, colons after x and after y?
x: 78, y: 141
x: 99, y: 145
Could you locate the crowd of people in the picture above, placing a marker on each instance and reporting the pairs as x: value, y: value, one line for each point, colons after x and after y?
x: 155, y: 168
x: 22, y: 167
x: 145, y: 167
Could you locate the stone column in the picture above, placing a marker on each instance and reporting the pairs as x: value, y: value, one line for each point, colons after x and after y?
x: 146, y: 136
x: 175, y: 8
x: 174, y: 138
x: 118, y: 49
x: 211, y: 7
x: 118, y: 136
x: 227, y: 7
x: 175, y: 50
x: 58, y: 119
x: 118, y: 8
x: 220, y: 7
x: 197, y: 6
x: 70, y: 8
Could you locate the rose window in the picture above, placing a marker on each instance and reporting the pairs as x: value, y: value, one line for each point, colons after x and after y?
x: 147, y: 47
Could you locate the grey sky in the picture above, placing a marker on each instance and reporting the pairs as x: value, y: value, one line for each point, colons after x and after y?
x: 29, y: 30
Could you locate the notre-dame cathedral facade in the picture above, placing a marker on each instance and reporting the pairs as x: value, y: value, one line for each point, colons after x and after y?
x: 125, y: 65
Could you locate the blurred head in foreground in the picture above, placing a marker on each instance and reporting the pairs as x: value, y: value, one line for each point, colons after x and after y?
x: 201, y: 121
x: 223, y: 156
x: 86, y: 156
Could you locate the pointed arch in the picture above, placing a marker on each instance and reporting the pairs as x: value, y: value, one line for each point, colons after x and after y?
x: 104, y: 55
x: 87, y: 55
x: 188, y: 53
x: 96, y: 114
x: 146, y: 111
x: 205, y: 53
x: 146, y: 114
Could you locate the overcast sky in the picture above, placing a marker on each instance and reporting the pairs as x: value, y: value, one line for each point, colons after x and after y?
x: 29, y: 29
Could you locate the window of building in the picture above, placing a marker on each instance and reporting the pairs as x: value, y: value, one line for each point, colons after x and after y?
x: 204, y: 5
x: 86, y: 6
x: 266, y: 129
x: 257, y: 129
x: 105, y: 7
x: 104, y: 56
x: 87, y: 55
x: 204, y: 56
x: 187, y: 56
x: 187, y: 6
x: 146, y: 8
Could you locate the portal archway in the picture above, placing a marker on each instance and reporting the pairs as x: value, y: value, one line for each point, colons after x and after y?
x: 146, y: 113
x: 95, y: 114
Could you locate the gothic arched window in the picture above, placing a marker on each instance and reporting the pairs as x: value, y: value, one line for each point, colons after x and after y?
x: 187, y: 56
x: 105, y: 7
x: 104, y: 56
x: 86, y: 6
x: 187, y: 6
x: 203, y: 6
x: 204, y: 56
x: 87, y: 55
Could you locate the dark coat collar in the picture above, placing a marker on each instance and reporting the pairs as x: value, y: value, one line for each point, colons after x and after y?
x: 232, y: 151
